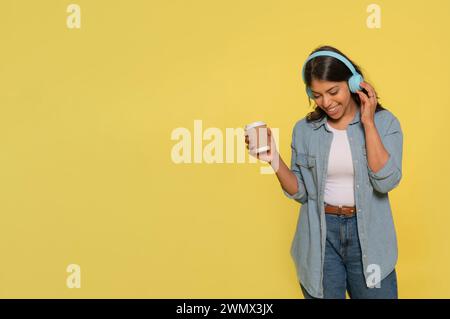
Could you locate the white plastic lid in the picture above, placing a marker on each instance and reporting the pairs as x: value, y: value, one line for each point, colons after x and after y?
x: 254, y: 124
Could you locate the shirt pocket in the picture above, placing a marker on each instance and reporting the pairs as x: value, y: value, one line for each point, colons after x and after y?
x: 308, y: 168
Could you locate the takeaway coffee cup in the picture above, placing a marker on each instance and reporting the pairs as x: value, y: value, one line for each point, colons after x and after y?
x: 258, y: 136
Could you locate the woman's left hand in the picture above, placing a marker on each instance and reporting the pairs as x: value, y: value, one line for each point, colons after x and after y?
x: 368, y: 103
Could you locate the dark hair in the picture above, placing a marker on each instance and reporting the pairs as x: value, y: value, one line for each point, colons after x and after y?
x: 326, y: 68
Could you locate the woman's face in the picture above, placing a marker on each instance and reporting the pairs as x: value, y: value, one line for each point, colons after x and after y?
x: 332, y: 97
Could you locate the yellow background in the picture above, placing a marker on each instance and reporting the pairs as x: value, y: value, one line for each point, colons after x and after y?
x: 85, y: 150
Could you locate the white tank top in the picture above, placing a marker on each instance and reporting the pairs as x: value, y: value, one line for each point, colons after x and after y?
x: 339, y: 184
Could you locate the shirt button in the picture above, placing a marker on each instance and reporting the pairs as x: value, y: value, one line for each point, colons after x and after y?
x: 357, y: 186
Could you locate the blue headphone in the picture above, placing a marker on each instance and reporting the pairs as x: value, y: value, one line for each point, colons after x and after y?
x: 353, y: 82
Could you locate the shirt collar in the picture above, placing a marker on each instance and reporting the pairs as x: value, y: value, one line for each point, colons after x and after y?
x: 322, y: 121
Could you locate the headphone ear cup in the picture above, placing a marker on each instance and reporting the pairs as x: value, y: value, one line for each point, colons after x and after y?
x: 309, y: 92
x: 354, y: 81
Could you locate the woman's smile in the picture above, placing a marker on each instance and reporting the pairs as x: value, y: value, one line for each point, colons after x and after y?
x: 333, y: 110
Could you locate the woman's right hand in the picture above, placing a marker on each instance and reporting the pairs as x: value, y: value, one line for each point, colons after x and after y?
x: 268, y: 156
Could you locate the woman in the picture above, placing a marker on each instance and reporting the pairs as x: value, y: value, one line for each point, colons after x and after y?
x: 346, y: 157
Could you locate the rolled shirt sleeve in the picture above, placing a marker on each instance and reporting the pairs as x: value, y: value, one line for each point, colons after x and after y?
x: 389, y: 176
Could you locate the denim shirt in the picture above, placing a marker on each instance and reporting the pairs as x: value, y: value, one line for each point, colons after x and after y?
x: 311, y: 142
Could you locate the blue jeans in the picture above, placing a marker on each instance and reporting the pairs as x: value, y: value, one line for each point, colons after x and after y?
x: 343, y: 270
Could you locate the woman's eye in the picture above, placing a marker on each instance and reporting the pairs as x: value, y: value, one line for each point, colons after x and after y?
x: 331, y: 93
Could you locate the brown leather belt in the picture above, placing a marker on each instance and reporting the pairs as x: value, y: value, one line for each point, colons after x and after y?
x: 340, y: 210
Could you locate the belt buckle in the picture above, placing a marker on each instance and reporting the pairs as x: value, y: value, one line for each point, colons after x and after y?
x: 341, y: 213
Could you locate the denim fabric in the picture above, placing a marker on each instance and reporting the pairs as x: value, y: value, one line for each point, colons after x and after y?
x: 311, y: 142
x: 343, y: 269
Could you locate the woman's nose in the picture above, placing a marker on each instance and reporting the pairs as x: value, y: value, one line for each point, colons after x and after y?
x: 326, y: 102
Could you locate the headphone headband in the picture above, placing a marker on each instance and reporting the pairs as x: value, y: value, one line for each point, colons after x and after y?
x: 353, y: 81
x: 341, y: 58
